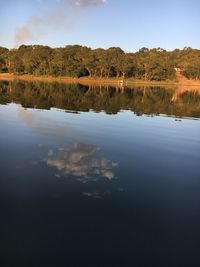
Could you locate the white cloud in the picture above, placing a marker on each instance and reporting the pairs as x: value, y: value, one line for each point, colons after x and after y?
x: 47, y: 22
x: 85, y: 3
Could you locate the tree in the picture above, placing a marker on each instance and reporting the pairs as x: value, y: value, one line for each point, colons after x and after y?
x: 77, y: 61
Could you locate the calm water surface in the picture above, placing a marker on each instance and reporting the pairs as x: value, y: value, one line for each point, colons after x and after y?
x: 99, y: 185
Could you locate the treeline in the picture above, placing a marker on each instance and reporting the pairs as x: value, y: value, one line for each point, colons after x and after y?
x: 76, y: 97
x: 78, y: 61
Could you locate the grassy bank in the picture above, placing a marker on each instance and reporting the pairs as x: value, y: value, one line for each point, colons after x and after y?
x: 86, y: 80
x: 106, y: 82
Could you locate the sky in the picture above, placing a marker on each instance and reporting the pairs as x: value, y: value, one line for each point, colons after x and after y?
x: 129, y: 24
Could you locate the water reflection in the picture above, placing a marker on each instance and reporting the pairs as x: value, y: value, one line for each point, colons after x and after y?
x: 84, y: 161
x: 38, y: 122
x: 99, y: 185
x: 81, y: 160
x: 181, y: 101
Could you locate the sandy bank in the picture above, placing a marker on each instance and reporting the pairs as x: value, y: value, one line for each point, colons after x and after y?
x: 85, y: 80
x: 183, y: 82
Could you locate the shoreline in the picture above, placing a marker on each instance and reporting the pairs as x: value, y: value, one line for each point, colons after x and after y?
x: 100, y: 81
x: 85, y: 80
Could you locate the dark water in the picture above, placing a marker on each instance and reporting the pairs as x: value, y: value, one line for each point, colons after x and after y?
x: 99, y: 185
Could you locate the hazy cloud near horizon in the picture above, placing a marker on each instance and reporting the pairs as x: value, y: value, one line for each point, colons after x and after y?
x: 47, y: 22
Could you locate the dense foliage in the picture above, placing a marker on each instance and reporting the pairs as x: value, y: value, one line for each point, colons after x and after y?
x: 4, y: 52
x: 76, y: 97
x: 78, y: 61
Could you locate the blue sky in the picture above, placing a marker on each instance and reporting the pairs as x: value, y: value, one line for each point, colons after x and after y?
x: 128, y: 24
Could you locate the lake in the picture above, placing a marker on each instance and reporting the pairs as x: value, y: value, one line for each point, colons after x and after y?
x: 99, y: 176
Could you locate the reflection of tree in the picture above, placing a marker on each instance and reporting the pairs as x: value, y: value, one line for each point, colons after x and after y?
x: 147, y: 100
x: 181, y: 90
x: 82, y: 161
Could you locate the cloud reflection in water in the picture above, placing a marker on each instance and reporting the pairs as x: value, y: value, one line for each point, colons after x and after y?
x: 83, y: 161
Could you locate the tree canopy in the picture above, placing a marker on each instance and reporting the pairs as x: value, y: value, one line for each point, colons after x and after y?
x: 154, y: 64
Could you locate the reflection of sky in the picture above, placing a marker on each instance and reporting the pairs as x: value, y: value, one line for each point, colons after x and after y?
x: 126, y: 138
x: 81, y: 160
x: 42, y: 122
x: 78, y: 159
